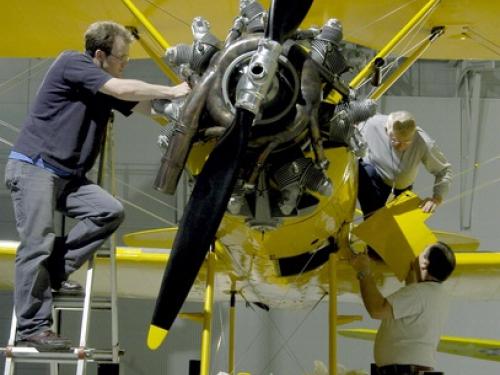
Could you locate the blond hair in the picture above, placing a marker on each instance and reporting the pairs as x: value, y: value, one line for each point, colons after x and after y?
x: 401, y: 123
x: 102, y: 34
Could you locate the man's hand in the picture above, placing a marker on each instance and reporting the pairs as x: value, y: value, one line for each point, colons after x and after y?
x: 430, y: 204
x: 361, y: 263
x: 180, y: 90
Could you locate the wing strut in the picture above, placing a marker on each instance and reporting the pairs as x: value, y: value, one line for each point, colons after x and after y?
x: 407, y: 64
x: 389, y: 47
x: 368, y: 70
x: 332, y: 314
x: 155, y: 34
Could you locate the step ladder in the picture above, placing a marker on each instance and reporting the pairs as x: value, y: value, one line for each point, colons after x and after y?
x: 107, y: 360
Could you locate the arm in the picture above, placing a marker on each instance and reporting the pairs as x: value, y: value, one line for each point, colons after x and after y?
x: 135, y: 90
x: 376, y: 304
x: 435, y: 162
x: 430, y: 204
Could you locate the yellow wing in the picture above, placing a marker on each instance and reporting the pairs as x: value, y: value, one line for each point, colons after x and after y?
x: 464, y: 346
x: 161, y: 238
x: 45, y: 28
x: 457, y: 241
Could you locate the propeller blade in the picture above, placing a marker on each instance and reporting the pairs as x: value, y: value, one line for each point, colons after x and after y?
x: 199, y: 225
x: 285, y: 16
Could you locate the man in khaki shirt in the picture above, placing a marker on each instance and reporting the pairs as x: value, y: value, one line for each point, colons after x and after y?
x: 412, y: 317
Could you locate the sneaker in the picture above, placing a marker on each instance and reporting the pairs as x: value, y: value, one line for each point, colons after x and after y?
x: 68, y: 288
x: 45, y: 341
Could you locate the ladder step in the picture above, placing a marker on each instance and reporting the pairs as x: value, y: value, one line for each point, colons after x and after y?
x: 65, y: 302
x: 28, y: 354
x: 103, y: 253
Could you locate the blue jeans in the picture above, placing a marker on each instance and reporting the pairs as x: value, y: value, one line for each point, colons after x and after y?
x: 42, y: 259
x: 372, y: 190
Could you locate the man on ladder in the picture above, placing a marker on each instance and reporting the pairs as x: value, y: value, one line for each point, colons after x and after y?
x: 58, y: 145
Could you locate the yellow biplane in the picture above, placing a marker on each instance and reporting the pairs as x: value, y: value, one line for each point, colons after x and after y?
x: 267, y: 136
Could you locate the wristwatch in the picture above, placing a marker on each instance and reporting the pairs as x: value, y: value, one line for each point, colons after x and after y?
x: 363, y: 274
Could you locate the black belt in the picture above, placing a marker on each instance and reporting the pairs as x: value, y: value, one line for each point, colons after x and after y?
x: 402, y: 369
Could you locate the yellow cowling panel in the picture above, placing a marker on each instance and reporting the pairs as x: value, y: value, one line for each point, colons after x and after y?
x: 198, y: 156
x: 397, y: 232
x: 297, y: 235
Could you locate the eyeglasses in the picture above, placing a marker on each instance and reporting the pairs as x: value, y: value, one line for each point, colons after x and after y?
x: 396, y: 141
x: 123, y: 59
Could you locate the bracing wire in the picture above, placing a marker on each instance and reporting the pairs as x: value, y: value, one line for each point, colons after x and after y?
x: 139, y: 208
x: 170, y: 14
x: 142, y: 192
x: 9, y: 126
x: 263, y: 327
x: 483, y: 41
x: 21, y: 77
x: 221, y: 341
x: 406, y: 49
x: 462, y: 194
x: 380, y: 19
x: 8, y: 143
x: 285, y: 343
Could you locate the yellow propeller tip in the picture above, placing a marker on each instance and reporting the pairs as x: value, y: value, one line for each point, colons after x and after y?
x: 156, y: 336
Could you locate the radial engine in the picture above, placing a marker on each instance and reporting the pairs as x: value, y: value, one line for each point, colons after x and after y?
x: 285, y: 163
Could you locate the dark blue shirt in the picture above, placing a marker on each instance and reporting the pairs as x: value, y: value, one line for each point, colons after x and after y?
x: 67, y: 122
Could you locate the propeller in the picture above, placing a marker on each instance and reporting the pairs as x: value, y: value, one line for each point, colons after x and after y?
x: 215, y: 183
x: 285, y: 16
x: 199, y: 224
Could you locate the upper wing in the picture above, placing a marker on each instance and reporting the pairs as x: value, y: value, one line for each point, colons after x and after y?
x: 470, y: 26
x: 45, y: 28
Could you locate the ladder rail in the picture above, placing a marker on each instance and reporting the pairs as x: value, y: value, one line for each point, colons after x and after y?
x: 56, y: 313
x: 115, y: 343
x: 87, y: 304
x: 9, y: 362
